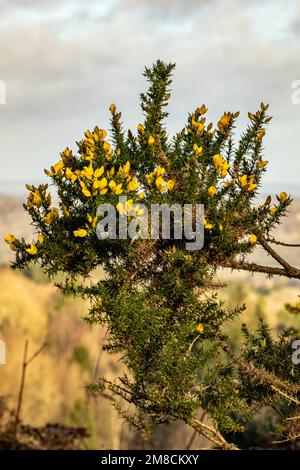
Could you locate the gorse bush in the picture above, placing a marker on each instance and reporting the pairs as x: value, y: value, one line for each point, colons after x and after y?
x: 158, y: 300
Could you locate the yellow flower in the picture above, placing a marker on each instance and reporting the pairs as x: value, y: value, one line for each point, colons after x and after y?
x: 261, y: 164
x: 118, y: 189
x: 252, y: 239
x: 99, y: 172
x: 221, y: 227
x: 202, y: 109
x: 140, y: 128
x: 159, y: 182
x: 139, y: 212
x: 170, y: 185
x: 150, y: 178
x: 225, y: 121
x: 37, y: 200
x: 198, y: 150
x: 243, y: 180
x: 103, y: 191
x: 32, y: 250
x: 207, y: 224
x: 151, y: 140
x: 58, y: 167
x: 81, y: 232
x: 128, y: 204
x: 263, y: 343
x: 273, y: 210
x: 10, y: 238
x: 112, y: 171
x: 142, y: 195
x: 112, y: 184
x: 40, y: 238
x: 133, y: 185
x: 160, y: 171
x: 120, y: 208
x: 70, y: 175
x: 251, y: 187
x: 112, y: 108
x: 283, y: 196
x: 260, y: 134
x: 126, y: 168
x: 200, y: 328
x: 66, y: 155
x: 65, y: 211
x: 102, y: 134
x: 92, y: 220
x: 88, y: 172
x: 106, y: 147
x: 221, y: 165
x: 86, y: 192
x: 51, y: 216
x: 212, y: 191
x: 100, y: 184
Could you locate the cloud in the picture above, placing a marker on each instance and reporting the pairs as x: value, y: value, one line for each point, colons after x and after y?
x: 68, y: 60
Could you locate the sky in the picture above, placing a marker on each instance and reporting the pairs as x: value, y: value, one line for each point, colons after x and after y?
x: 63, y: 62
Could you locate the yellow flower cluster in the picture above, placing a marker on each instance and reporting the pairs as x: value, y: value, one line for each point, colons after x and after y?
x: 83, y: 232
x: 225, y: 122
x: 252, y: 239
x: 221, y: 165
x: 37, y: 195
x: 31, y: 249
x: 51, y: 216
x: 247, y: 182
x: 125, y: 208
x: 161, y: 184
x: 207, y: 224
x: 10, y: 240
x: 200, y: 328
x: 212, y: 191
x: 261, y: 164
x: 198, y: 150
x: 198, y: 125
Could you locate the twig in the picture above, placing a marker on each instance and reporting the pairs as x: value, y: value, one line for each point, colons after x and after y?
x: 193, y: 436
x: 25, y: 363
x: 253, y: 267
x: 21, y: 389
x: 275, y: 255
x: 276, y: 242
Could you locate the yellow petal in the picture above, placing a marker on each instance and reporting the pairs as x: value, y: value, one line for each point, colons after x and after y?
x: 10, y: 238
x: 212, y: 191
x: 81, y: 232
x: 40, y: 238
x: 151, y: 140
x: 112, y: 185
x: 112, y: 108
x: 32, y: 250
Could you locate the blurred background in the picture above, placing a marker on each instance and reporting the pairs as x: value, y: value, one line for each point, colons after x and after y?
x: 62, y: 63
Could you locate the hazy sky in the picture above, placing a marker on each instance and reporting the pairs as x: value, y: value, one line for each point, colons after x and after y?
x: 64, y: 62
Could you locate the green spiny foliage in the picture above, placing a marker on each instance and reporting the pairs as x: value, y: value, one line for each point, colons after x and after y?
x: 158, y: 300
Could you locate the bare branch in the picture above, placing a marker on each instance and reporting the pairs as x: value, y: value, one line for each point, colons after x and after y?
x: 293, y: 273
